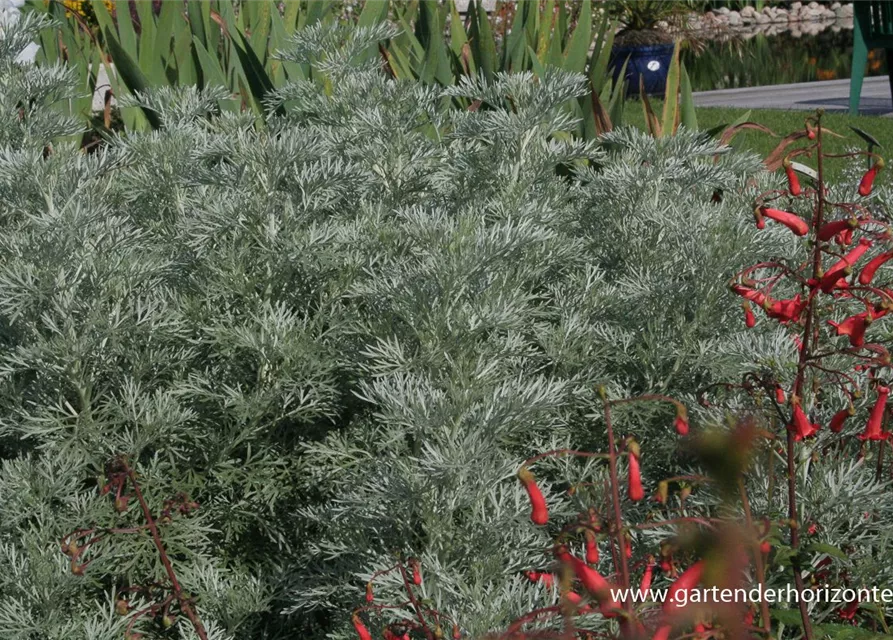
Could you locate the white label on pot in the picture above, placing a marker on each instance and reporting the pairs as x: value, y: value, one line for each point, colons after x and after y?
x: 654, y: 65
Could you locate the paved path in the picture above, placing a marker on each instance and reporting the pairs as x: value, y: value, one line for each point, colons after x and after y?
x: 832, y: 95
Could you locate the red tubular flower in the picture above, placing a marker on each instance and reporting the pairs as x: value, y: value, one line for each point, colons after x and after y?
x: 800, y: 424
x: 854, y: 327
x: 591, y: 547
x: 851, y: 258
x: 835, y: 279
x: 635, y: 490
x: 662, y: 633
x: 457, y: 633
x: 547, y: 579
x: 575, y: 599
x: 849, y: 612
x: 361, y: 629
x: 874, y: 264
x: 539, y: 514
x: 838, y: 420
x: 749, y: 320
x: 593, y: 582
x: 793, y: 222
x: 873, y: 428
x: 759, y: 219
x: 793, y: 181
x: 779, y: 394
x: 646, y: 580
x: 786, y: 310
x: 831, y: 229
x: 868, y: 179
x: 681, y: 421
x: 757, y: 297
x: 687, y: 581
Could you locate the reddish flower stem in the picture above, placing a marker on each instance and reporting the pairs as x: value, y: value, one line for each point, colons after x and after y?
x: 184, y: 603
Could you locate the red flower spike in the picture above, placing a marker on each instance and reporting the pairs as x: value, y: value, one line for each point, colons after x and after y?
x: 635, y: 490
x: 867, y: 181
x: 749, y: 320
x: 793, y: 181
x: 539, y: 514
x: 838, y: 420
x: 687, y: 581
x: 800, y: 424
x: 873, y: 265
x: 591, y: 547
x: 873, y: 428
x: 793, y: 222
x: 854, y: 327
x: 361, y: 629
x: 831, y: 229
x: 369, y: 595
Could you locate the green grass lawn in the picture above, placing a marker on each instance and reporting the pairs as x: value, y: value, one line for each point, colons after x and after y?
x: 782, y: 123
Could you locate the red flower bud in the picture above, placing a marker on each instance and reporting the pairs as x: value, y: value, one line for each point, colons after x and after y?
x: 868, y: 179
x: 779, y: 394
x: 361, y: 629
x: 687, y: 581
x: 591, y: 547
x: 681, y: 421
x: 457, y: 634
x: 793, y: 182
x: 416, y: 573
x: 635, y: 490
x: 749, y: 320
x: 873, y: 428
x: 873, y: 265
x: 547, y: 579
x: 539, y: 514
x: 831, y: 229
x: 800, y: 424
x: 838, y: 420
x: 793, y: 222
x: 369, y: 595
x: 765, y: 547
x: 844, y: 238
x: 121, y: 503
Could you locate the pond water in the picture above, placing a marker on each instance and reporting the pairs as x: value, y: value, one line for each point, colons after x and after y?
x: 759, y: 59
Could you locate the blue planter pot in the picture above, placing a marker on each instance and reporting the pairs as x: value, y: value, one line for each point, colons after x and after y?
x: 651, y: 63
